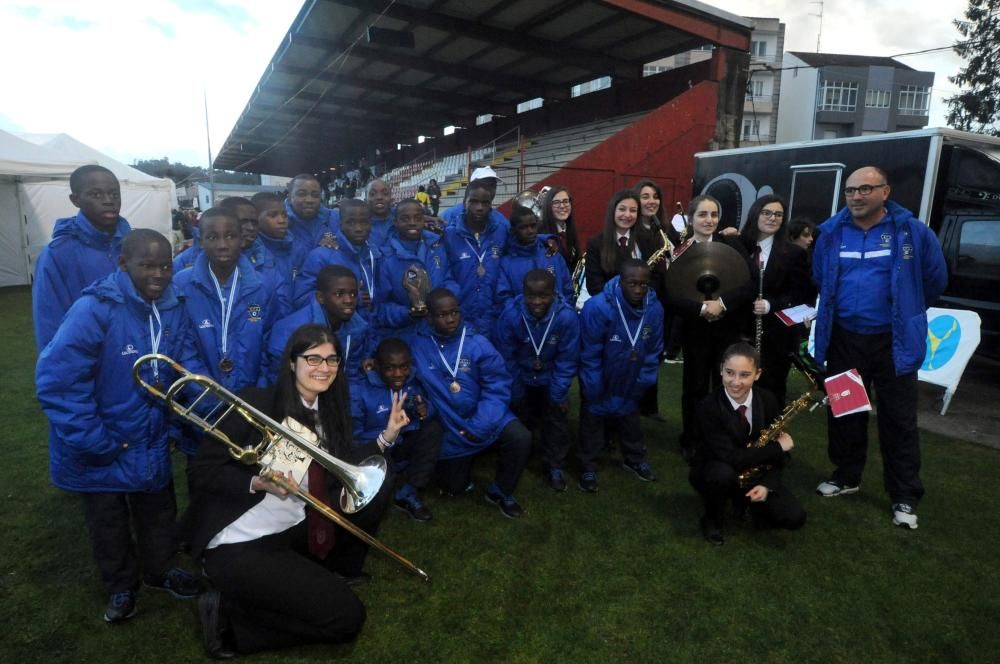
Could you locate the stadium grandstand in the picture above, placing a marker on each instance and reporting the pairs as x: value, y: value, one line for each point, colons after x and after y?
x: 544, y: 91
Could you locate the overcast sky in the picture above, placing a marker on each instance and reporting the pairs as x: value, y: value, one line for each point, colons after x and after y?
x: 126, y: 77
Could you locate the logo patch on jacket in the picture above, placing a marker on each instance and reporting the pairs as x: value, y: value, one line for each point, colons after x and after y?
x: 382, y: 408
x: 129, y: 350
x: 907, y: 252
x: 886, y: 240
x: 615, y: 338
x: 254, y: 311
x: 205, y: 324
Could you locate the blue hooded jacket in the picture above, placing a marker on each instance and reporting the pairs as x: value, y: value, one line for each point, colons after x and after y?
x: 919, y: 276
x: 364, y: 261
x: 288, y: 257
x: 611, y: 382
x: 518, y: 260
x: 397, y: 257
x: 306, y: 234
x: 186, y: 258
x: 78, y: 255
x: 560, y: 354
x: 107, y: 434
x: 381, y: 226
x: 371, y: 403
x: 455, y: 213
x: 356, y: 340
x: 476, y: 292
x: 481, y: 405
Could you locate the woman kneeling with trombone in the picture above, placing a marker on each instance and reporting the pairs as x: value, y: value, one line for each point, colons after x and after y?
x: 282, y: 571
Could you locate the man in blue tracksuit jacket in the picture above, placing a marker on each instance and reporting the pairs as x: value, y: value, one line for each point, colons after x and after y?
x: 474, y: 246
x: 878, y: 268
x: 308, y: 219
x: 538, y: 335
x: 107, y: 435
x: 409, y: 245
x: 621, y: 338
x: 526, y: 251
x: 334, y: 306
x: 353, y: 251
x: 415, y: 451
x: 466, y: 380
x: 83, y: 249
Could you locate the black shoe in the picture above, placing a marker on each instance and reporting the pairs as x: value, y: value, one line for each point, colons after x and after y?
x: 640, y: 470
x: 414, y: 507
x: 507, y: 504
x: 710, y: 532
x: 354, y: 580
x: 177, y: 582
x: 588, y: 482
x: 213, y: 626
x: 557, y: 480
x: 469, y: 488
x: 121, y: 607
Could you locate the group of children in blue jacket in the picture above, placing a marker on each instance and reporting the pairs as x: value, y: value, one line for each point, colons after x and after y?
x: 475, y: 325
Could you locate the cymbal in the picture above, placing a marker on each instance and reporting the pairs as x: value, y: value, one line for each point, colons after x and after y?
x: 704, y: 270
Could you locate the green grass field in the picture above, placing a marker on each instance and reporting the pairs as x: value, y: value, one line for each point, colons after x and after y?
x: 621, y: 575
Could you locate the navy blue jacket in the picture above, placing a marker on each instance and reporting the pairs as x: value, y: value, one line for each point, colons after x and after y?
x: 371, y: 403
x: 481, y: 405
x: 476, y: 292
x: 381, y: 226
x: 610, y: 381
x: 452, y: 215
x: 518, y: 260
x: 106, y: 433
x: 288, y: 257
x: 919, y: 276
x: 357, y: 340
x: 364, y: 261
x: 560, y: 354
x: 393, y: 317
x: 306, y: 234
x: 77, y: 256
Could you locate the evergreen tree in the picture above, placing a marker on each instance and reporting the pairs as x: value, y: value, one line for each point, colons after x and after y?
x: 977, y: 107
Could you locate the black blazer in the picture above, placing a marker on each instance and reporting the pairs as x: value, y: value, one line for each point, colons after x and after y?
x: 722, y: 436
x: 597, y: 277
x: 787, y: 282
x: 220, y: 485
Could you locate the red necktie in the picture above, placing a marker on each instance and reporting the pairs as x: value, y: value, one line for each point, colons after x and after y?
x: 321, y: 530
x: 623, y: 245
x: 744, y: 424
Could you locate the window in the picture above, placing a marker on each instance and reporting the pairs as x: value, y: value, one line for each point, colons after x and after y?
x: 979, y: 249
x: 758, y: 48
x: 751, y: 129
x: 483, y: 119
x: 877, y: 98
x: 838, y: 96
x: 914, y: 100
x: 649, y: 70
x: 529, y: 105
x: 755, y: 90
x: 591, y: 86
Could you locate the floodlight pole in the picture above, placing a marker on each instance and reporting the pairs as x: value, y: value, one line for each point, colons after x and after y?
x: 208, y: 140
x: 819, y: 33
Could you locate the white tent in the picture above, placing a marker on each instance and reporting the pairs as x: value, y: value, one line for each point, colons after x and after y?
x: 34, y: 192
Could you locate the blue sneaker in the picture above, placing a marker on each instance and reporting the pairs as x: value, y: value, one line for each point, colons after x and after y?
x: 412, y: 505
x: 556, y: 479
x: 588, y: 482
x: 120, y: 608
x: 640, y: 470
x: 177, y: 582
x: 507, y: 504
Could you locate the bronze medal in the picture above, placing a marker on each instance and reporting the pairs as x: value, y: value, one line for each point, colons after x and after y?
x: 226, y: 365
x: 538, y: 363
x: 634, y: 356
x: 481, y: 270
x: 455, y: 387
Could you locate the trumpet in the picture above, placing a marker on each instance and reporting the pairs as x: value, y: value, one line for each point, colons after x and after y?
x: 360, y: 483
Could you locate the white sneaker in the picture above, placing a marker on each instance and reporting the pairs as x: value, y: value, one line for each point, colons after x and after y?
x: 904, y: 515
x: 832, y: 488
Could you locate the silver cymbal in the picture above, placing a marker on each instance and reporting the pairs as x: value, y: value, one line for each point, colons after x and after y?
x: 706, y: 269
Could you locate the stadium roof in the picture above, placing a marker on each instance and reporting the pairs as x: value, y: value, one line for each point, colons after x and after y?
x: 329, y: 93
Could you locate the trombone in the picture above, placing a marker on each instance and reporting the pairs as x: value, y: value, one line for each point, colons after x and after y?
x: 360, y: 483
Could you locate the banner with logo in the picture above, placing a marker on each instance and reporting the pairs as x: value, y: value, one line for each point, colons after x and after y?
x: 952, y: 338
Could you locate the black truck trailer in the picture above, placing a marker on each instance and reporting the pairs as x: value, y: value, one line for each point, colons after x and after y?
x: 949, y: 179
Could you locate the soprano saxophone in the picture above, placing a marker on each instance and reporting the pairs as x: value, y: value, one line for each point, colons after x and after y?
x: 808, y: 400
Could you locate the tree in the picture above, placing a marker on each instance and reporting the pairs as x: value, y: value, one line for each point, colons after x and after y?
x: 178, y: 172
x: 977, y: 107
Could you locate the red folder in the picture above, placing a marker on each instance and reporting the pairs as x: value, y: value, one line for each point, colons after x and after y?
x: 847, y: 394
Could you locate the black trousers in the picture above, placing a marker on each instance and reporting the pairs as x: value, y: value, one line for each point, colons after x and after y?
x: 513, y: 447
x: 594, y: 432
x: 718, y: 482
x: 414, y: 455
x: 110, y: 518
x: 703, y: 344
x: 535, y: 410
x: 896, y: 400
x: 776, y: 343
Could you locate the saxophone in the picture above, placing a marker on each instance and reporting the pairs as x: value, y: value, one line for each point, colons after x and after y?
x: 808, y: 400
x: 665, y: 251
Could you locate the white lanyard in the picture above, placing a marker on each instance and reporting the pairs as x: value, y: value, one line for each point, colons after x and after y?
x: 480, y: 256
x: 633, y: 338
x: 154, y: 339
x: 545, y: 335
x: 368, y: 277
x: 458, y: 358
x: 347, y: 349
x: 227, y: 306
